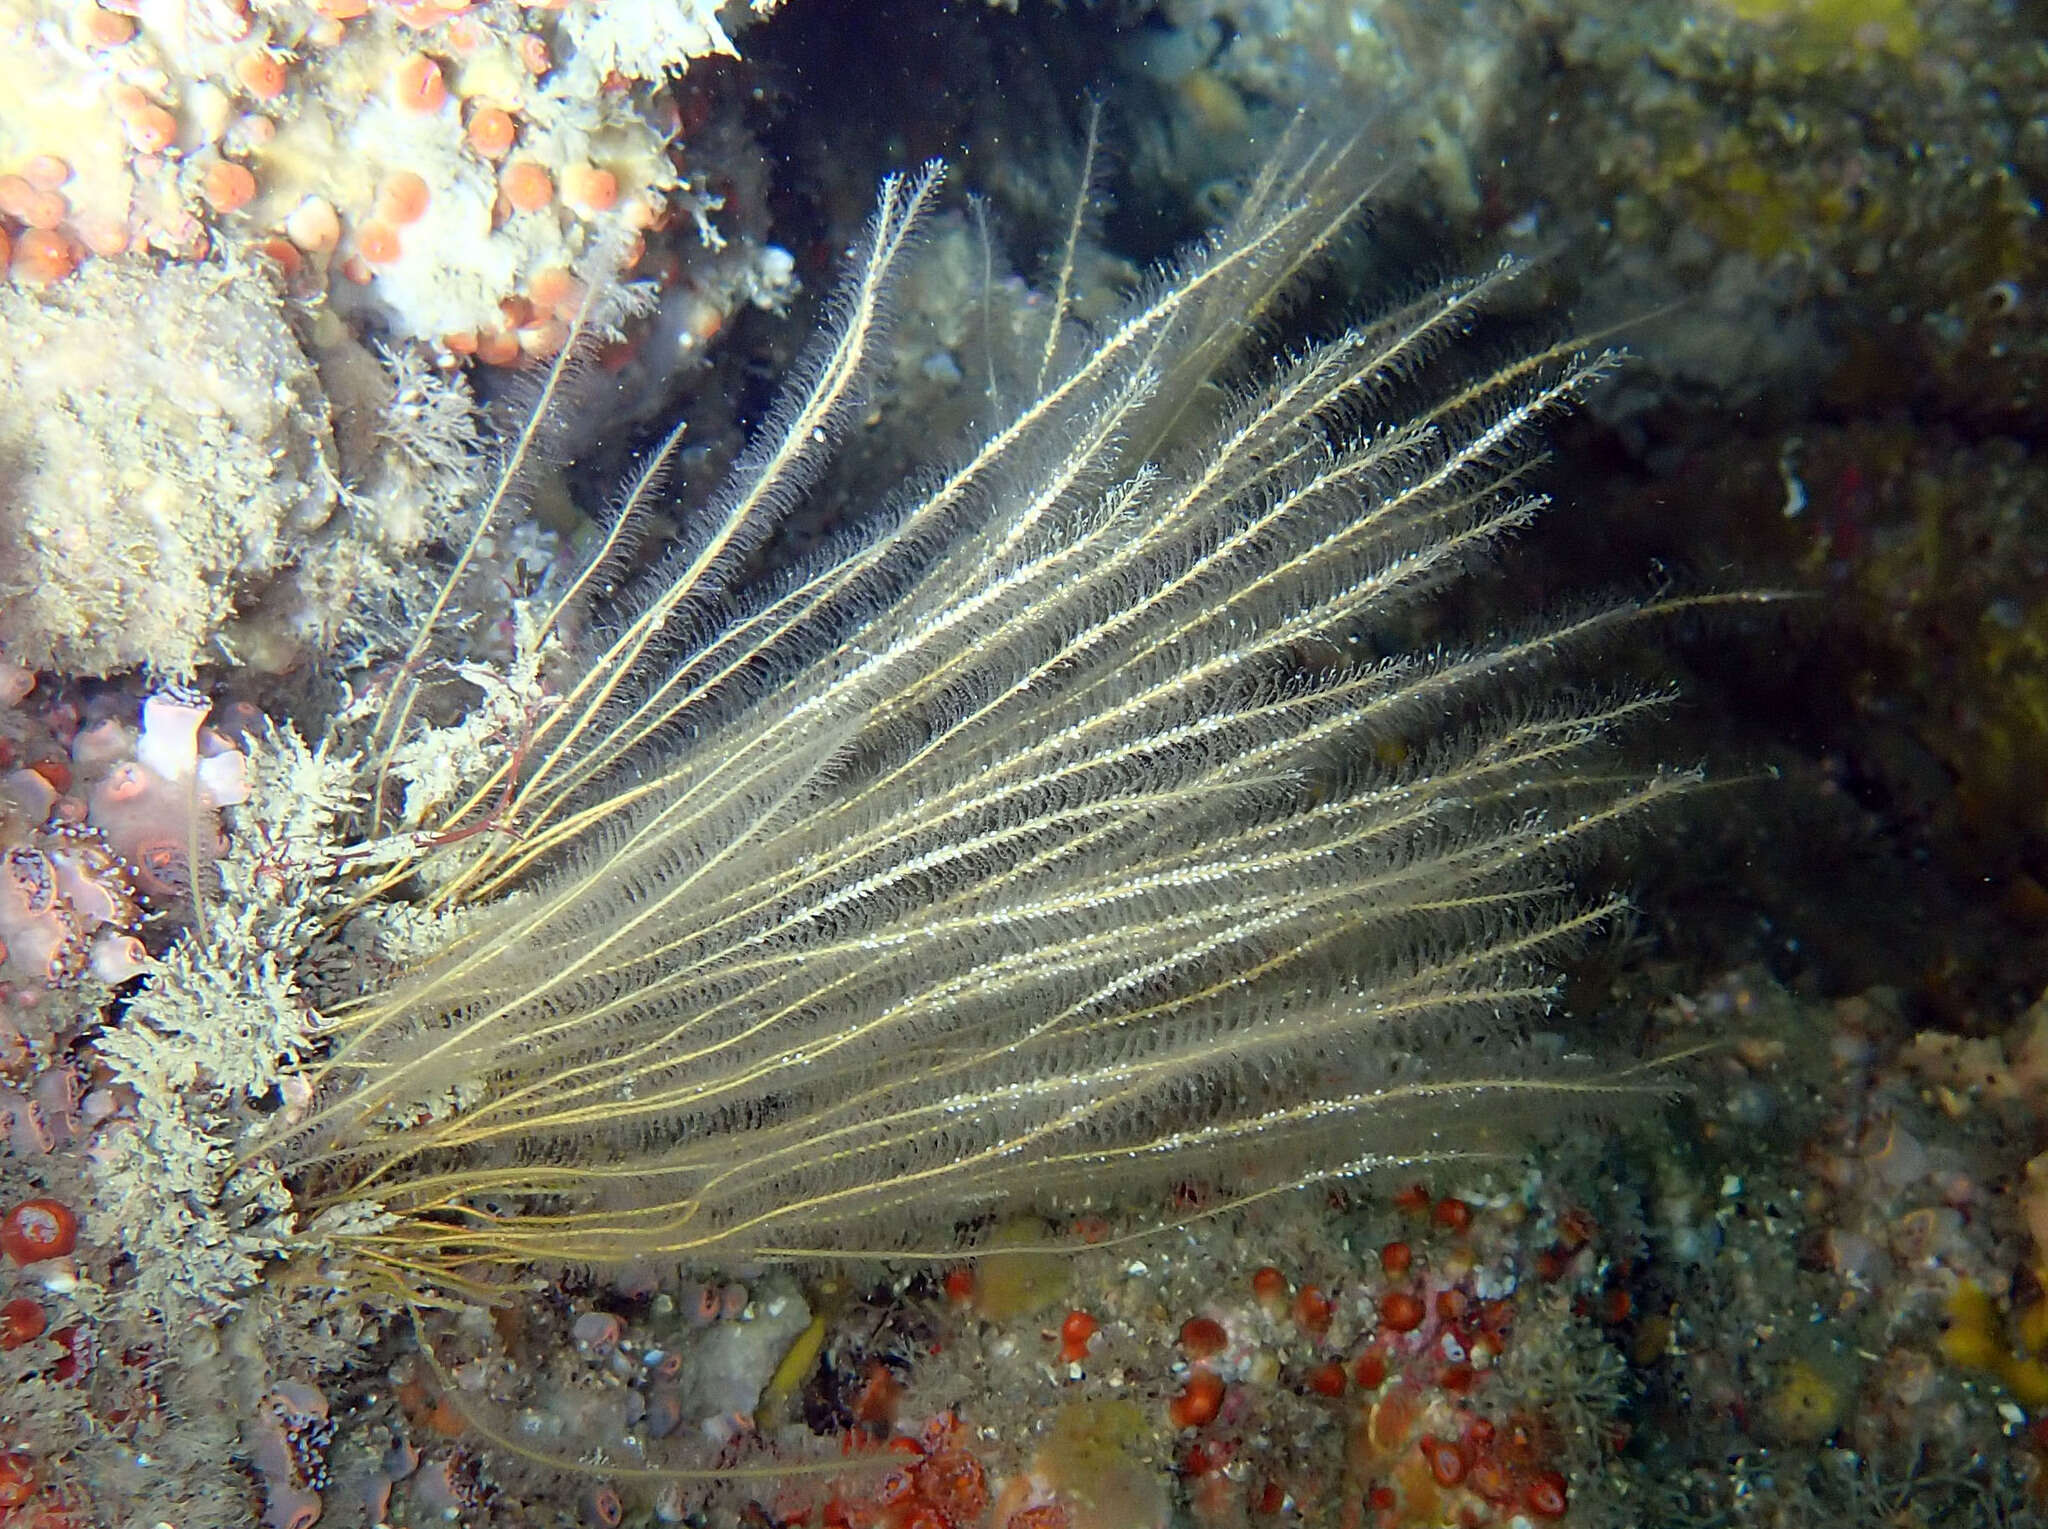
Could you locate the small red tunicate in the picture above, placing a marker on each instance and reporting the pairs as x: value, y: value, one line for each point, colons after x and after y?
x: 1370, y: 1371
x: 879, y: 1396
x: 79, y: 1353
x: 603, y: 1508
x: 1521, y: 1441
x: 1269, y: 1285
x: 1271, y: 1499
x: 1203, y: 1337
x: 1446, y: 1461
x: 1075, y: 1332
x: 1326, y: 1379
x: 1550, y: 1265
x: 1412, y: 1197
x: 1491, y: 1480
x: 1615, y: 1306
x: 1200, y: 1460
x: 38, y: 1229
x: 1313, y: 1310
x: 1453, y: 1213
x: 1479, y: 1433
x: 939, y: 1432
x: 1401, y: 1311
x: 1546, y: 1496
x: 22, y: 1320
x: 705, y: 1304
x: 1395, y: 1258
x: 1199, y: 1400
x: 1575, y: 1228
x: 953, y: 1482
x: 1458, y: 1378
x: 959, y: 1286
x: 1381, y: 1499
x: 1451, y: 1304
x: 17, y: 1478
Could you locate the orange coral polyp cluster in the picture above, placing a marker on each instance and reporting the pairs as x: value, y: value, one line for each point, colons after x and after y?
x: 39, y: 249
x: 939, y: 1485
x: 212, y: 164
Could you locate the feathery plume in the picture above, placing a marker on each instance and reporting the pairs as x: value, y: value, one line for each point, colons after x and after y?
x: 1052, y: 843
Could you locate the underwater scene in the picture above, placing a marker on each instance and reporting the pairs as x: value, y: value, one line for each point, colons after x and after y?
x: 1023, y: 764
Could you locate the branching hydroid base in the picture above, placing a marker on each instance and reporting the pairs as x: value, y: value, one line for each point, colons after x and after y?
x: 1045, y: 847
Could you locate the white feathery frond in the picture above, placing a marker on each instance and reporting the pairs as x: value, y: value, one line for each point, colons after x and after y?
x: 1036, y: 849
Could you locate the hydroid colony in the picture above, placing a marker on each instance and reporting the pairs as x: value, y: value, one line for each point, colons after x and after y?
x: 1051, y: 844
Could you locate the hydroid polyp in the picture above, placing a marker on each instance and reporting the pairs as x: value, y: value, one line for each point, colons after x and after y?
x: 1052, y: 844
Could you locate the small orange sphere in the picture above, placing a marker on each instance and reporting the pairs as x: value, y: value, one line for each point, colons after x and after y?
x: 496, y: 347
x: 1401, y: 1311
x: 1269, y: 1285
x: 402, y: 198
x: 314, y: 226
x: 555, y: 291
x: 46, y: 172
x: 262, y: 75
x: 1203, y: 1337
x: 1447, y: 1463
x: 1313, y: 1310
x: 22, y: 1320
x: 1198, y: 1402
x: 151, y: 129
x: 378, y: 243
x: 491, y: 131
x: 1075, y: 1332
x: 42, y: 256
x: 46, y: 209
x: 108, y: 29
x: 227, y: 186
x: 1546, y: 1495
x: 418, y: 85
x: 285, y: 253
x: 527, y: 186
x: 38, y: 1229
x: 590, y: 189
